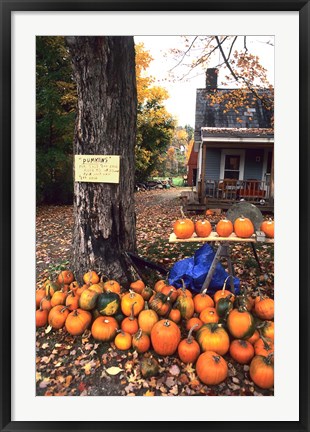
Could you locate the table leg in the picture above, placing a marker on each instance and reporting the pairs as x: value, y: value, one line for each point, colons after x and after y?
x: 222, y: 250
x: 212, y: 268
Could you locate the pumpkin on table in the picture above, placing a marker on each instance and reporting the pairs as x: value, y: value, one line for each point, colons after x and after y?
x: 267, y: 227
x: 224, y: 228
x: 243, y: 227
x: 183, y: 228
x: 203, y: 228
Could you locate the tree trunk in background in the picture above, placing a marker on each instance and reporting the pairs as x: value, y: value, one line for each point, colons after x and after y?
x: 104, y: 215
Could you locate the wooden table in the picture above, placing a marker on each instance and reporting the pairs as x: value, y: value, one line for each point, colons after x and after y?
x: 222, y: 251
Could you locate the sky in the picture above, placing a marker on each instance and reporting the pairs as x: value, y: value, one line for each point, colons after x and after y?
x: 181, y: 103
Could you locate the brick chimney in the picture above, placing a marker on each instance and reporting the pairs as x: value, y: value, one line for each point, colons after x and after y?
x: 211, y: 79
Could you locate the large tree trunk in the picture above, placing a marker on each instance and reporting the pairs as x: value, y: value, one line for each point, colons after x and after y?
x: 104, y: 225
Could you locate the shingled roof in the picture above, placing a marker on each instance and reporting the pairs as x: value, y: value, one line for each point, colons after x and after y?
x: 251, y: 116
x: 209, y: 132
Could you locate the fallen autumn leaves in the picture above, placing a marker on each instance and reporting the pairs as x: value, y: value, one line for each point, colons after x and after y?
x: 68, y: 365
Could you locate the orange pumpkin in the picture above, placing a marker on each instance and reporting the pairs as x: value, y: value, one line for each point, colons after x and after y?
x: 147, y: 293
x: 213, y: 337
x: 183, y: 228
x: 128, y: 300
x: 41, y: 317
x: 159, y: 284
x: 264, y: 308
x: 78, y: 321
x: 223, y: 293
x: 165, y: 337
x: 203, y: 228
x: 91, y: 277
x: 262, y: 372
x: 40, y: 293
x: 46, y: 303
x: 255, y: 336
x: 267, y: 330
x: 58, y: 298
x: 211, y: 368
x: 202, y: 301
x: 141, y: 341
x: 240, y: 323
x: 65, y: 277
x: 146, y: 319
x: 209, y: 315
x: 188, y: 349
x: 130, y: 324
x: 137, y: 286
x: 263, y: 346
x: 243, y: 227
x: 224, y: 228
x: 268, y: 228
x: 161, y: 304
x: 241, y: 351
x: 97, y: 288
x: 72, y: 301
x: 57, y: 316
x: 112, y: 286
x: 192, y: 321
x: 123, y: 340
x: 104, y: 328
x: 175, y: 315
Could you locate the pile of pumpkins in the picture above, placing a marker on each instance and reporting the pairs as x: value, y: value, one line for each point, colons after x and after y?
x: 155, y: 319
x: 243, y: 227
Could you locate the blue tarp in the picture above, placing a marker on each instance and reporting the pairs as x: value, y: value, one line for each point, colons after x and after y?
x: 194, y: 271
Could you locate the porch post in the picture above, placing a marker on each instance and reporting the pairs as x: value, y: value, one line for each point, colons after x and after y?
x: 203, y: 173
x: 272, y: 178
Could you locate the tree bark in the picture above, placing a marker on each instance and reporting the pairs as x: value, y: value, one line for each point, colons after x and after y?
x: 104, y: 214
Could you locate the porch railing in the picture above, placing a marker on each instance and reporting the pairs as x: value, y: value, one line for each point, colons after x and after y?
x: 231, y: 189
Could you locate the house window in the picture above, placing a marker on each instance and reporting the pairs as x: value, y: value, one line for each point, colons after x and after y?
x: 232, y: 164
x: 232, y: 167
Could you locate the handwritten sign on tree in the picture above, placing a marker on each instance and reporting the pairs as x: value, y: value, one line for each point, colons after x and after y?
x: 96, y: 168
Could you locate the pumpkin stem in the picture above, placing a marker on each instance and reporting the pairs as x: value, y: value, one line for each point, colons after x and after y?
x: 138, y: 334
x: 269, y: 358
x: 204, y: 292
x: 41, y: 304
x: 183, y: 288
x: 146, y: 305
x: 132, y: 317
x: 217, y: 358
x: 63, y: 309
x: 166, y: 323
x: 190, y: 337
x: 225, y: 282
x: 75, y: 312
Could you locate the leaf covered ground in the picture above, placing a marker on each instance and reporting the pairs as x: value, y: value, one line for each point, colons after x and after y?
x: 79, y: 366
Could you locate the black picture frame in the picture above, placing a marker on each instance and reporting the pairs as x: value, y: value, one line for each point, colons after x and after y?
x: 7, y: 7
